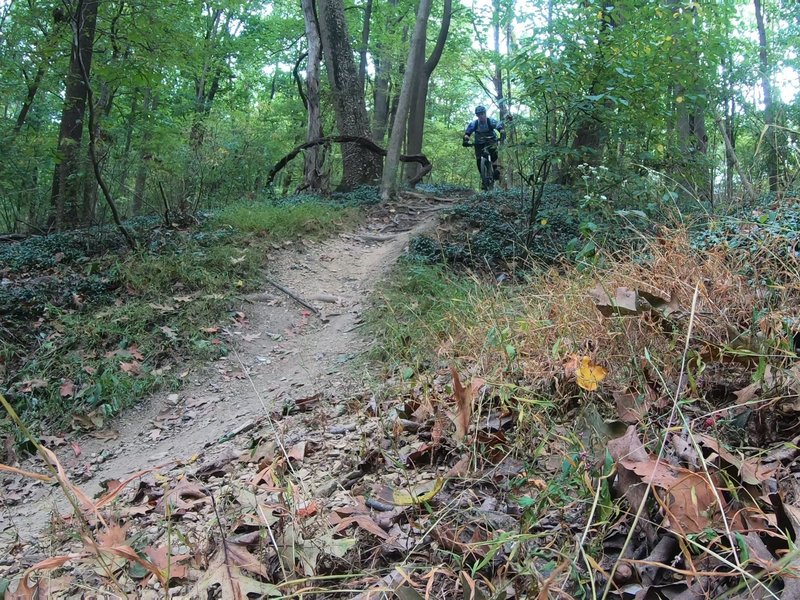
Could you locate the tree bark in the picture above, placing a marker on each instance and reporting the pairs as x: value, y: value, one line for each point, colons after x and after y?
x: 33, y: 88
x: 383, y: 69
x: 416, y: 119
x: 497, y: 79
x: 362, y: 53
x: 359, y: 166
x: 751, y: 193
x: 413, y: 66
x: 148, y: 107
x: 769, y: 110
x: 313, y: 174
x: 66, y: 177
x: 382, y: 89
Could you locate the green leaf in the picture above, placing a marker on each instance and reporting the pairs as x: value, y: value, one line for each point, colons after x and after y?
x: 511, y: 351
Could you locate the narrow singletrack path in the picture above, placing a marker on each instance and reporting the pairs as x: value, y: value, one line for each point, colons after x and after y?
x: 283, y: 352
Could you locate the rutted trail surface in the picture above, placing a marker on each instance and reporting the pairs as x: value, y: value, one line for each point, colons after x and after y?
x: 284, y: 353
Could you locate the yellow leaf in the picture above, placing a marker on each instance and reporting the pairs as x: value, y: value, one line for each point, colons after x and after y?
x: 543, y: 222
x: 679, y: 100
x: 418, y: 495
x: 239, y: 283
x: 590, y: 375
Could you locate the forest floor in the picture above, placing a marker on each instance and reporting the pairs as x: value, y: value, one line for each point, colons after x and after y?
x: 285, y: 355
x: 628, y: 430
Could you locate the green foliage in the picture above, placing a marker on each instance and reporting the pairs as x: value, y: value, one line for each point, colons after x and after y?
x: 284, y: 221
x: 763, y: 241
x: 490, y: 230
x: 417, y: 310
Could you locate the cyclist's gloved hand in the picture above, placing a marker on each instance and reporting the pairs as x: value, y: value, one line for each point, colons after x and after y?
x: 465, y: 141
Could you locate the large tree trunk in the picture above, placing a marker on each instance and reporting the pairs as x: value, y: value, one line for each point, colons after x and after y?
x: 359, y: 165
x: 66, y: 179
x: 769, y: 110
x: 419, y: 96
x: 690, y: 125
x: 413, y: 66
x: 314, y: 178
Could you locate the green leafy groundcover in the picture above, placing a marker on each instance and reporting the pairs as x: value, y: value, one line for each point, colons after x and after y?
x: 491, y: 230
x: 87, y: 326
x: 770, y: 231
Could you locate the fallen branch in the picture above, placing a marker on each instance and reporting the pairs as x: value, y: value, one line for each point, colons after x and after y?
x: 351, y: 139
x: 293, y: 296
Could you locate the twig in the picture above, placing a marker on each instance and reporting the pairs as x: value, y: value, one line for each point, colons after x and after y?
x: 293, y: 296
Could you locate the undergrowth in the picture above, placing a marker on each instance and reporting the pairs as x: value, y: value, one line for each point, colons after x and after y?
x: 735, y: 279
x: 89, y: 329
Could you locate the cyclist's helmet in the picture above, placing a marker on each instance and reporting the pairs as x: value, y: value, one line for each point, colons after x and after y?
x: 480, y: 109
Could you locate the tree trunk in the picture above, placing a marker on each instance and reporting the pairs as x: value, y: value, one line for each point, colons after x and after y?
x: 359, y: 166
x: 66, y: 177
x: 497, y: 79
x: 383, y: 69
x: 419, y: 97
x: 591, y: 131
x: 314, y: 178
x: 33, y: 87
x: 90, y: 189
x: 730, y: 132
x: 149, y: 105
x: 362, y: 53
x: 769, y: 109
x: 413, y: 66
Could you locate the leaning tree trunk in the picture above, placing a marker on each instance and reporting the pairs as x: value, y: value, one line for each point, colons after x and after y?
x: 416, y: 119
x: 313, y: 166
x: 66, y: 180
x: 413, y: 66
x: 359, y: 166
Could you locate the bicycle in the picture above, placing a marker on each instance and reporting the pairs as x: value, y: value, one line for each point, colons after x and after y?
x: 486, y: 170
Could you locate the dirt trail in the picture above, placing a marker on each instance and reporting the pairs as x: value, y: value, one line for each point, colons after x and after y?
x: 283, y: 353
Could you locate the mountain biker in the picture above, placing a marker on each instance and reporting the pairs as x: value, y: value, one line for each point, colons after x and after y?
x: 484, y: 129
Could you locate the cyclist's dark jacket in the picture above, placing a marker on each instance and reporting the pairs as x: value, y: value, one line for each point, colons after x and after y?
x: 484, y: 133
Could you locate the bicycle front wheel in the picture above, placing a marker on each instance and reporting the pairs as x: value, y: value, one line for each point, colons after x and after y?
x: 487, y: 175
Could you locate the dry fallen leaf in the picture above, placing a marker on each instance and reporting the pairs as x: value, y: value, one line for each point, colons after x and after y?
x: 464, y: 398
x: 132, y: 368
x: 589, y: 375
x: 67, y: 388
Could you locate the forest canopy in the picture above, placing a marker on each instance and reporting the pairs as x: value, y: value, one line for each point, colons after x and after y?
x: 142, y: 107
